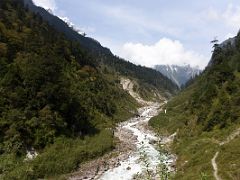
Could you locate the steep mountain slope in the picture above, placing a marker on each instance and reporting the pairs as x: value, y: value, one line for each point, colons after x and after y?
x: 147, y: 78
x: 56, y: 99
x: 86, y: 42
x: 206, y: 114
x: 178, y: 74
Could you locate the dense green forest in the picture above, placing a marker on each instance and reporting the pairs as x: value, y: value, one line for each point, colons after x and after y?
x: 149, y: 79
x: 59, y: 97
x: 53, y: 98
x: 204, y: 114
x: 106, y: 61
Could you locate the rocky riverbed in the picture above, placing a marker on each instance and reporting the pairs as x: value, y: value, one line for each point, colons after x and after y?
x: 135, y: 155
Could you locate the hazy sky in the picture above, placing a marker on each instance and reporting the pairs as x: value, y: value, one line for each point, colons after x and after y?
x: 150, y: 32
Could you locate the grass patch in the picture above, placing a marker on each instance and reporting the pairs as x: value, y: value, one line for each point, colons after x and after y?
x: 228, y: 160
x: 194, y: 158
x: 64, y: 156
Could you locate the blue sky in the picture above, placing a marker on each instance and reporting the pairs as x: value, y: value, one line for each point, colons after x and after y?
x: 150, y: 32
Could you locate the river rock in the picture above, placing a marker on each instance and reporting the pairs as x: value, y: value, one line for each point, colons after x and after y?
x: 153, y: 142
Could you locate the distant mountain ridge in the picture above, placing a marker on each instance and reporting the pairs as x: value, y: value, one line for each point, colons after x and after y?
x: 178, y: 74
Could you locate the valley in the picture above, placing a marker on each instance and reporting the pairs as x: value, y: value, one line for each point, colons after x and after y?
x: 61, y: 95
x: 71, y: 109
x: 137, y: 154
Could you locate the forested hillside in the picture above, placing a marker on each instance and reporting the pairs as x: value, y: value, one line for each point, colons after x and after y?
x: 53, y: 98
x: 105, y: 60
x: 86, y: 42
x: 206, y: 117
x: 59, y: 98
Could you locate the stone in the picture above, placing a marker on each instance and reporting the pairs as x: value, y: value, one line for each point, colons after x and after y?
x: 128, y: 168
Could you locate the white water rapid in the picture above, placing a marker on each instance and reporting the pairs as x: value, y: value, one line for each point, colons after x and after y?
x: 136, y: 164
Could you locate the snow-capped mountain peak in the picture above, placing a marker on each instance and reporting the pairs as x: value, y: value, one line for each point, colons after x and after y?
x: 178, y: 74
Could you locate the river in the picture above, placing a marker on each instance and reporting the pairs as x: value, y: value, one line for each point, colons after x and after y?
x: 145, y: 157
x: 138, y: 156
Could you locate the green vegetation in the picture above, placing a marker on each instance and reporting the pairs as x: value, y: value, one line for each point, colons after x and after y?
x: 53, y: 98
x: 62, y: 157
x: 147, y: 78
x: 60, y: 96
x: 206, y: 113
x: 228, y: 160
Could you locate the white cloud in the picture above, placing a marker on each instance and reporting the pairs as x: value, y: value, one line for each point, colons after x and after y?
x: 137, y: 19
x: 230, y: 16
x: 80, y: 30
x: 229, y: 35
x: 165, y: 51
x: 212, y: 14
x: 47, y: 4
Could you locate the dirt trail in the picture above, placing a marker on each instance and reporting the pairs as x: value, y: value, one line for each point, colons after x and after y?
x: 231, y: 137
x: 215, y: 168
x: 213, y: 161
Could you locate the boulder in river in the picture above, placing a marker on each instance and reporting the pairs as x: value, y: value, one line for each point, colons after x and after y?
x: 153, y: 142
